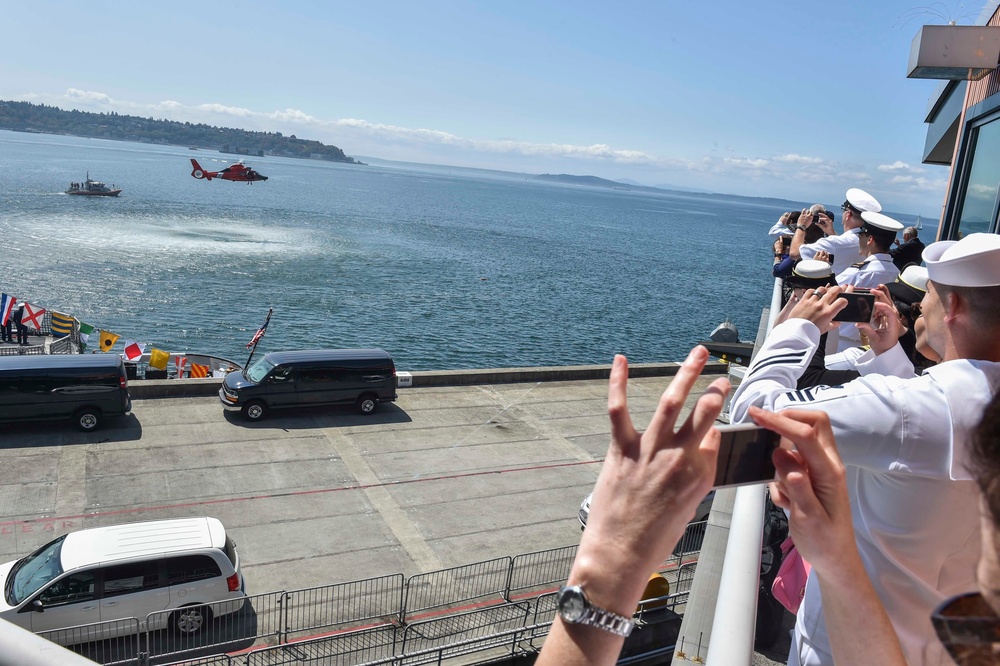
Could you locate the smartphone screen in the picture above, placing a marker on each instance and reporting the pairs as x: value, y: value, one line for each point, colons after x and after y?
x: 745, y: 455
x: 860, y: 306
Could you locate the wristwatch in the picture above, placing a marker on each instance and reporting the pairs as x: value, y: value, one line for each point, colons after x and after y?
x: 799, y: 226
x: 574, y: 608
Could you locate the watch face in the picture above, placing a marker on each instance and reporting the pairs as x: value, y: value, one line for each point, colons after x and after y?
x: 572, y: 604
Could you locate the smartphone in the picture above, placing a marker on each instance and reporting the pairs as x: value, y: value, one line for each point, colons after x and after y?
x: 860, y: 306
x: 745, y: 455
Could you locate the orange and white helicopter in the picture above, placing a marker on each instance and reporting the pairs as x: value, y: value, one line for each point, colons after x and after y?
x: 238, y: 173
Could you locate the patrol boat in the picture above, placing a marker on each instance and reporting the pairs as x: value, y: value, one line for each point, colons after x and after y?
x: 93, y: 188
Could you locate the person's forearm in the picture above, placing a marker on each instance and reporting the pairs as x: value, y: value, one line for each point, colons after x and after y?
x: 612, y: 579
x: 859, y: 628
x: 798, y: 239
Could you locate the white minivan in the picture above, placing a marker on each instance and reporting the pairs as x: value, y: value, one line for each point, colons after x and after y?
x: 125, y: 571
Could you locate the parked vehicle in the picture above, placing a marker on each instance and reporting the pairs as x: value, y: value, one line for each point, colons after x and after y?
x: 86, y: 388
x: 125, y: 571
x: 360, y: 377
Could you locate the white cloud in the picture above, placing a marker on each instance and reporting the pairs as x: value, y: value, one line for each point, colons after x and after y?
x: 228, y: 110
x: 746, y: 161
x: 798, y: 159
x: 88, y: 96
x: 895, y: 166
x: 981, y: 191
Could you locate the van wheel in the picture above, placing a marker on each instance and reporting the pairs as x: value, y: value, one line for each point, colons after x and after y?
x: 87, y: 419
x: 189, y: 620
x: 367, y: 404
x: 254, y: 410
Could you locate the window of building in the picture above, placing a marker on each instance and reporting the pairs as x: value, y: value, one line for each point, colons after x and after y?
x: 978, y: 207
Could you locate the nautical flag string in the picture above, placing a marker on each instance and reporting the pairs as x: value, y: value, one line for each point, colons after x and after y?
x: 85, y: 331
x: 158, y: 358
x: 108, y: 340
x: 260, y: 331
x: 62, y: 324
x: 32, y: 317
x: 6, y: 305
x: 133, y: 350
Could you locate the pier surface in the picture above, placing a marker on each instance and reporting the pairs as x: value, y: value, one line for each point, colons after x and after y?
x: 445, y: 476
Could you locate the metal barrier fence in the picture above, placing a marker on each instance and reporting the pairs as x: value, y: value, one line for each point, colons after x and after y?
x: 225, y: 626
x: 531, y: 573
x: 462, y: 633
x: 427, y: 614
x: 378, y: 600
x: 486, y: 582
x: 111, y: 642
x: 350, y: 647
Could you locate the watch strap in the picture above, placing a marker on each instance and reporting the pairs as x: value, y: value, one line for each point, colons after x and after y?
x: 595, y: 616
x: 608, y: 621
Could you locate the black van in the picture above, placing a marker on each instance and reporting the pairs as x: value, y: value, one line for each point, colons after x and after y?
x: 362, y: 377
x: 85, y: 387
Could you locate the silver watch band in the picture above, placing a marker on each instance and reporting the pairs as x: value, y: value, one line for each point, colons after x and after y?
x: 608, y: 621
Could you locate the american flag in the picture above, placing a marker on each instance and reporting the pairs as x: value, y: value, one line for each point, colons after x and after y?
x: 260, y: 331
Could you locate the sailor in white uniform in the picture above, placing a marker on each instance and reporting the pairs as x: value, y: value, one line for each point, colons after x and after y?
x: 902, y: 437
x: 844, y: 248
x: 874, y: 239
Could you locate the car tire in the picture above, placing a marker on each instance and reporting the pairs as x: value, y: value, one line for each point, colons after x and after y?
x: 87, y: 419
x: 367, y: 404
x: 190, y: 620
x: 254, y: 410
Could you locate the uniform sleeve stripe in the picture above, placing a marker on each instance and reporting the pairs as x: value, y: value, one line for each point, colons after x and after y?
x: 780, y: 358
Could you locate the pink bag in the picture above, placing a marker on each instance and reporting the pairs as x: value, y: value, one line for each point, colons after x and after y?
x: 790, y: 584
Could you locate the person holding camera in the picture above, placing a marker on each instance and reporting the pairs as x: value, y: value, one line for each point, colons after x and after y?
x: 902, y: 437
x: 843, y: 249
x: 874, y: 239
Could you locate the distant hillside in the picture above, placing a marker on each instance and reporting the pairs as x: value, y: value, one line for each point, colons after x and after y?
x: 28, y: 117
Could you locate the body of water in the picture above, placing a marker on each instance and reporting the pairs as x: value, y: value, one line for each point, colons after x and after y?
x: 444, y: 268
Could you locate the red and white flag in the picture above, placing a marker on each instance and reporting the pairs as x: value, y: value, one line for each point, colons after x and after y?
x: 133, y: 350
x: 32, y: 317
x: 179, y: 363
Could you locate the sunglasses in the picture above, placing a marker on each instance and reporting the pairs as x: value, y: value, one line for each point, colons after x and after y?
x: 968, y: 628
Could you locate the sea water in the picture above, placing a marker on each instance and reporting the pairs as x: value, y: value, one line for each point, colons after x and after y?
x: 443, y: 267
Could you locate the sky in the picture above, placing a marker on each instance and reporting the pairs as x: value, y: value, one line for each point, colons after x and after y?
x: 778, y: 99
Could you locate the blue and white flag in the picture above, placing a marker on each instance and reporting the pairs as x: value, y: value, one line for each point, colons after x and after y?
x: 6, y: 305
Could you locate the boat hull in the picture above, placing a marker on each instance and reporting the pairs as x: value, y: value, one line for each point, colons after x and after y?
x: 109, y: 193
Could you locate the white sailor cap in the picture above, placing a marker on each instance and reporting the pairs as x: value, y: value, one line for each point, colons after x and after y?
x: 862, y: 201
x: 879, y: 224
x: 811, y: 274
x: 973, y: 261
x: 911, y: 285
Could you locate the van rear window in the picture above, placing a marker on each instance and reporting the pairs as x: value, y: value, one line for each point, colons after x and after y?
x: 190, y: 568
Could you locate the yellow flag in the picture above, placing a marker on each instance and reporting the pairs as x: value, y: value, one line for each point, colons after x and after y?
x: 199, y: 370
x: 108, y: 340
x: 158, y: 358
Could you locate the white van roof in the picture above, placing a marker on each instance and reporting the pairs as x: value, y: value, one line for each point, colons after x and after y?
x: 121, y: 542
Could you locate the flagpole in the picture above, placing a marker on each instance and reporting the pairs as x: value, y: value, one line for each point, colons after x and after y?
x: 257, y: 338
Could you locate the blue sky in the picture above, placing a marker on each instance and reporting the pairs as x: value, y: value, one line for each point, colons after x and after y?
x: 794, y: 100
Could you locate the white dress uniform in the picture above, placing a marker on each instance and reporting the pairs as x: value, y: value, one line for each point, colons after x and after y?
x: 844, y: 249
x: 914, y: 506
x: 866, y: 274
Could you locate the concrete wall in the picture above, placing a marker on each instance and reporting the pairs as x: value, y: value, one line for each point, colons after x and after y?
x: 173, y: 388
